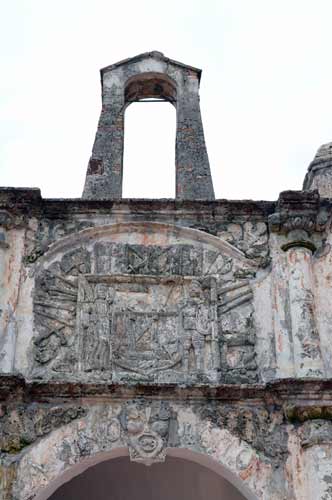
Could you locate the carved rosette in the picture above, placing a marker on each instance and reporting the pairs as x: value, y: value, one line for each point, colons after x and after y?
x: 147, y: 448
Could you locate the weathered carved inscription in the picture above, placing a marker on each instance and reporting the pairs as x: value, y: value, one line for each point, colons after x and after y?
x: 183, y: 260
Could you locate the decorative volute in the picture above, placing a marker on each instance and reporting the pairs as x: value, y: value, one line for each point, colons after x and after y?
x: 146, y: 76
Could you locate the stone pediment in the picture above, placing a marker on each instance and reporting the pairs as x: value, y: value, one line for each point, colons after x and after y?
x: 146, y: 56
x: 143, y: 302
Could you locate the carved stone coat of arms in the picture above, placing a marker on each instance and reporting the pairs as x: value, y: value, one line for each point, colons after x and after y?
x: 126, y: 312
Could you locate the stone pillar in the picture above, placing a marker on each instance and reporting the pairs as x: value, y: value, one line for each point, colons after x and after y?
x: 104, y: 173
x: 316, y: 443
x: 306, y: 348
x: 3, y: 251
x: 193, y: 176
x: 284, y: 357
x: 295, y: 223
x: 7, y: 336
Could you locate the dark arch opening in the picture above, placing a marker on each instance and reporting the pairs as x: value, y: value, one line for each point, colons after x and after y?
x: 150, y: 86
x: 120, y: 479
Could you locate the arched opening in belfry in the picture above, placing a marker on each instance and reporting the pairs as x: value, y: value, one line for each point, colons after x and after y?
x: 149, y: 137
x: 176, y: 479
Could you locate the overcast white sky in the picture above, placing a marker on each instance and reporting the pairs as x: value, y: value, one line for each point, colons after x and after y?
x: 265, y: 90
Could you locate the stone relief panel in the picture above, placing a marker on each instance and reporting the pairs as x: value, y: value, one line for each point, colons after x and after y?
x: 252, y: 238
x: 173, y: 313
x: 237, y: 331
x: 55, y: 304
x: 144, y: 328
x: 41, y: 233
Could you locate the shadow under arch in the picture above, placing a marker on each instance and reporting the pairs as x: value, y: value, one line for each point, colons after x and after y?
x: 149, y: 85
x: 184, y: 454
x: 206, y: 461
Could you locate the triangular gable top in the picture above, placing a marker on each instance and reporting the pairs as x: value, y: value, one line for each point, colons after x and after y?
x: 154, y: 54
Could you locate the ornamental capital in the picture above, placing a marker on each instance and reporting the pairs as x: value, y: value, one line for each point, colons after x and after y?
x: 298, y: 215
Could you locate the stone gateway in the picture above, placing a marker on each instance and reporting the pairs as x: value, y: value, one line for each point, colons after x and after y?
x: 192, y: 335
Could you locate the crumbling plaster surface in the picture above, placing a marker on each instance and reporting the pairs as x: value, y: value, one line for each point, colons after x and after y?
x: 205, y: 248
x: 275, y: 350
x: 323, y: 299
x: 113, y: 426
x: 11, y: 264
x: 267, y: 451
x: 150, y: 235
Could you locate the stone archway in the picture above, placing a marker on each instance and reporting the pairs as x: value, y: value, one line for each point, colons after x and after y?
x: 184, y: 472
x: 101, y: 436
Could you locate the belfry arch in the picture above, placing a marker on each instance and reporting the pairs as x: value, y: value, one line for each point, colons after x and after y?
x: 198, y: 471
x: 149, y: 136
x: 150, y: 85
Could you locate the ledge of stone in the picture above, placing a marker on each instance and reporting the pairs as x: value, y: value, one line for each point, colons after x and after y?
x: 293, y: 391
x: 11, y: 197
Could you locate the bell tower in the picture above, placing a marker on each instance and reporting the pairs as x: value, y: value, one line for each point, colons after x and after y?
x: 149, y: 76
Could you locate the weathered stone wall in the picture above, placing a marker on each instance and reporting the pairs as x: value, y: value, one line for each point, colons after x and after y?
x: 152, y: 297
x: 182, y: 272
x: 194, y: 327
x: 266, y: 446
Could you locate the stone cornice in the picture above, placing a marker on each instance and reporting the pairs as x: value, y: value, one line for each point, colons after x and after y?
x: 299, y: 393
x: 30, y: 202
x: 298, y: 218
x: 297, y: 211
